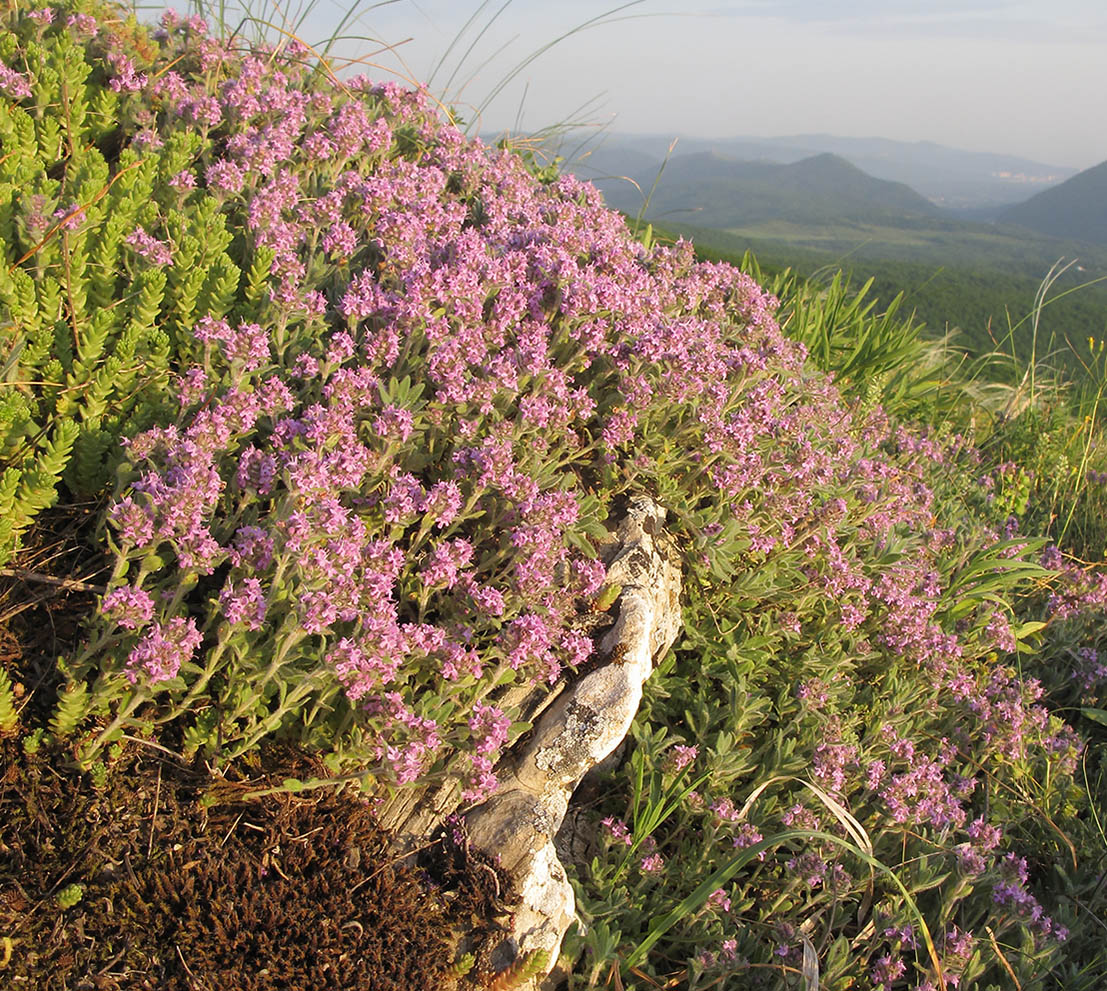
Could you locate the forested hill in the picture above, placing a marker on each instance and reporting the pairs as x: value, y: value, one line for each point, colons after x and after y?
x: 1077, y: 208
x: 960, y: 180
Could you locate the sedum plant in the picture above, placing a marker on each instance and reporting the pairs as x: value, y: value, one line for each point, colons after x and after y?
x: 105, y: 260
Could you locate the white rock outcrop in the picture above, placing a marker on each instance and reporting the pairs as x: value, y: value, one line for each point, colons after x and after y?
x: 582, y: 726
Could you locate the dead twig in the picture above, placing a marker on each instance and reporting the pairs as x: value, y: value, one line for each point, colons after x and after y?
x: 69, y: 584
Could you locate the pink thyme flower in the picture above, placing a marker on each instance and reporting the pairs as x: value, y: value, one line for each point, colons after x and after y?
x: 489, y: 727
x: 252, y: 548
x: 445, y: 563
x: 183, y: 181
x: 444, y: 502
x: 244, y: 603
x: 747, y: 836
x: 681, y: 757
x: 83, y: 24
x: 130, y: 607
x: 617, y: 830
x: 71, y: 217
x: 247, y: 344
x: 305, y: 367
x: 340, y: 240
x: 481, y: 781
x: 394, y: 423
x: 126, y: 79
x: 886, y: 970
x: 719, y: 899
x: 13, y: 83
x: 160, y: 653
x: 153, y: 250
x: 654, y: 863
x: 225, y: 176
x: 134, y: 522
x: 486, y: 598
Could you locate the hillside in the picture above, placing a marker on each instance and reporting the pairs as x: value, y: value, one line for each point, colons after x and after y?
x: 1077, y: 208
x: 975, y: 300
x: 824, y: 205
x: 723, y: 192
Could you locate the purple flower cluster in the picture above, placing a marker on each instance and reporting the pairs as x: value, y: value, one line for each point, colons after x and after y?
x: 129, y: 607
x: 14, y: 83
x: 245, y: 604
x: 398, y: 441
x: 681, y: 757
x: 155, y: 251
x: 918, y: 788
x: 1077, y: 592
x: 617, y: 830
x: 158, y: 656
x: 126, y: 79
x: 1011, y: 893
x: 1010, y: 723
x: 247, y: 345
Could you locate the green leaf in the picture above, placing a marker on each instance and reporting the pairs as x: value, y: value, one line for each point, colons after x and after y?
x: 1028, y: 629
x: 1095, y: 715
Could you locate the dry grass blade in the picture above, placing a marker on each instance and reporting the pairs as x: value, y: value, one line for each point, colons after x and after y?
x: 842, y: 814
x: 68, y: 584
x: 1001, y: 958
x: 810, y: 966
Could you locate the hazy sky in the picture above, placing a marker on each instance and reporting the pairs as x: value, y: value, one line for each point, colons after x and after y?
x: 991, y: 75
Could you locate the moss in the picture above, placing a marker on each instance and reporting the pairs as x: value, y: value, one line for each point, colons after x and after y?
x: 259, y: 895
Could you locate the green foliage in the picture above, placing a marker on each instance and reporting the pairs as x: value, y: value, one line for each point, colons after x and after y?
x: 962, y: 288
x: 876, y: 353
x: 9, y: 718
x: 801, y: 703
x: 464, y: 964
x: 72, y: 708
x: 731, y: 688
x: 526, y: 967
x: 32, y: 742
x: 69, y: 896
x: 94, y: 323
x: 98, y: 775
x: 202, y: 732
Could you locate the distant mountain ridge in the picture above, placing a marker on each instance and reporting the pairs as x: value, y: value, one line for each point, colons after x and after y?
x: 827, y: 205
x: 821, y: 189
x: 950, y: 177
x: 1077, y: 208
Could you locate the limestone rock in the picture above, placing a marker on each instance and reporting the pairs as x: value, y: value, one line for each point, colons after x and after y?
x: 585, y: 724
